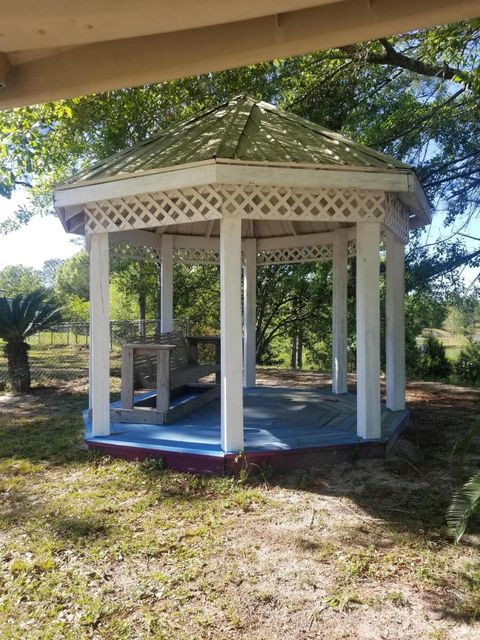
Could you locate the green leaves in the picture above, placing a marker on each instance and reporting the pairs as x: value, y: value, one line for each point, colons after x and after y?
x: 465, y: 502
x: 17, y: 279
x: 25, y: 315
x: 395, y: 93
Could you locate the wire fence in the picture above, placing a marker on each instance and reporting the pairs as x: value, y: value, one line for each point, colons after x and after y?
x: 77, y: 333
x: 61, y: 354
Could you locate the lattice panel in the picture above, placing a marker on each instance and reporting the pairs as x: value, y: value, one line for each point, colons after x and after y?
x: 396, y: 217
x: 199, y: 204
x: 295, y: 254
x: 196, y: 256
x: 280, y: 203
x: 122, y: 251
x: 153, y: 210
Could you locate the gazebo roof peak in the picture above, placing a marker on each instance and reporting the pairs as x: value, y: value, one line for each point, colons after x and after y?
x: 241, y: 128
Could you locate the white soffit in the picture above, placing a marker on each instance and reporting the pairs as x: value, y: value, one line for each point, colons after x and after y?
x: 403, y: 182
x: 56, y: 49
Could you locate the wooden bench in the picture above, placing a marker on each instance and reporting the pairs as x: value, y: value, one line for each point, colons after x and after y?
x: 170, y: 366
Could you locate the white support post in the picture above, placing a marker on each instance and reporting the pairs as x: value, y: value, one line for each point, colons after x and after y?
x: 249, y: 311
x: 231, y: 334
x: 395, y: 323
x: 166, y: 285
x: 339, y: 313
x: 368, y: 330
x: 99, y: 335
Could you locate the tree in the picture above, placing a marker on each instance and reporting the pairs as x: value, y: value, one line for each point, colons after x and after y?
x: 138, y: 280
x: 465, y: 503
x: 454, y: 321
x: 72, y: 277
x: 17, y: 279
x: 291, y: 301
x: 416, y: 96
x: 197, y: 297
x: 463, y: 315
x: 20, y: 318
x: 48, y: 272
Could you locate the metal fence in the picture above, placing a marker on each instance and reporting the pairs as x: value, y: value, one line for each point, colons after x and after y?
x: 61, y: 354
x: 76, y: 333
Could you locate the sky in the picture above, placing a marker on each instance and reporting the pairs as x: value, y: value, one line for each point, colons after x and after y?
x: 41, y: 239
x: 44, y: 238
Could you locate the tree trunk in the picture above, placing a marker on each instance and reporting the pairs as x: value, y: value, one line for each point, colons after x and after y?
x: 300, y: 348
x: 142, y: 312
x: 18, y: 366
x: 293, y: 355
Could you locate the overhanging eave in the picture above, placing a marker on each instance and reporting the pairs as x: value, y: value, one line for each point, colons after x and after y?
x: 108, y: 65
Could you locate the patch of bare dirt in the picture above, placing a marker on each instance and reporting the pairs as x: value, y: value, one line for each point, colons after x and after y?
x: 359, y: 551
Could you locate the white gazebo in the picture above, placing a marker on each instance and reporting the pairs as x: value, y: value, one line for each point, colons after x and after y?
x: 241, y: 185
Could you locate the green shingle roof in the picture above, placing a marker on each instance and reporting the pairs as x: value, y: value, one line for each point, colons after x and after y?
x: 241, y: 128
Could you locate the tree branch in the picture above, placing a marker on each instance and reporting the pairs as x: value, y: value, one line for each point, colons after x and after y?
x: 421, y: 120
x: 394, y: 58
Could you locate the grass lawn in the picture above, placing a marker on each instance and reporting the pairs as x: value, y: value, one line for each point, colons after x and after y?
x: 97, y: 548
x: 452, y: 343
x: 54, y: 364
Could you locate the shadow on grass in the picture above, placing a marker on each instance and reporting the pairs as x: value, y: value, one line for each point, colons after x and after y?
x: 76, y: 528
x: 406, y: 495
x: 47, y: 427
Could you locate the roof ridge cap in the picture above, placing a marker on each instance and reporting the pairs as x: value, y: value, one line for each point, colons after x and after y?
x: 244, y: 126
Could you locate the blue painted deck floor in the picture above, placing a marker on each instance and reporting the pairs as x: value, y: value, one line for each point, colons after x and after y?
x: 275, y: 419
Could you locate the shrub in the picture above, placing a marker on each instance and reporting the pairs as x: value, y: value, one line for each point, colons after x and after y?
x: 467, y: 366
x: 413, y: 355
x: 433, y: 360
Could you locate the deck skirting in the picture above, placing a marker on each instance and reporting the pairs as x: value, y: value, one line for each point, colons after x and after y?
x: 285, y: 429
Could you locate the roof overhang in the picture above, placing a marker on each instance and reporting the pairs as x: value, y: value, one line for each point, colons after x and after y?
x: 70, y: 198
x: 57, y: 49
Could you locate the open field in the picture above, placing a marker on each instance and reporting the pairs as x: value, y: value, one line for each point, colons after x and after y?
x: 452, y: 343
x: 56, y: 364
x: 97, y: 548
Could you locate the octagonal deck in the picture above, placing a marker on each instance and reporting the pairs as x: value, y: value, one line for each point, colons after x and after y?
x: 284, y: 428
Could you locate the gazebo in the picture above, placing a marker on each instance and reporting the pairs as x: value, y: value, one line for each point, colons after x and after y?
x: 246, y: 184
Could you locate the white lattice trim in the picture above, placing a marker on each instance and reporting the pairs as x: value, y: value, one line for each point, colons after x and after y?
x: 196, y: 256
x: 280, y: 203
x: 272, y: 256
x: 125, y: 251
x: 212, y: 256
x: 153, y: 210
x: 210, y: 202
x: 295, y: 254
x: 396, y: 217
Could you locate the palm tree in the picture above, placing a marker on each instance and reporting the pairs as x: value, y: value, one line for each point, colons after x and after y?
x: 20, y: 318
x: 465, y: 502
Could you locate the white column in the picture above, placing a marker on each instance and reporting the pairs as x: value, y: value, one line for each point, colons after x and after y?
x: 249, y: 311
x: 395, y: 323
x: 99, y: 335
x: 231, y: 334
x: 166, y: 285
x: 88, y: 248
x: 339, y: 313
x: 368, y: 330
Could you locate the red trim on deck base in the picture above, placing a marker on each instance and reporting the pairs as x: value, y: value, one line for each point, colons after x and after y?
x: 256, y: 461
x: 187, y: 462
